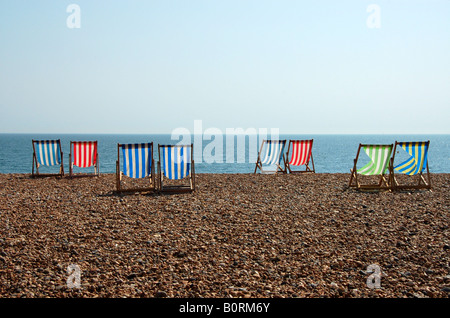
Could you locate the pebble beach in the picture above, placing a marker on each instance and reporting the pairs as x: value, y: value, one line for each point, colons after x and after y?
x: 236, y: 236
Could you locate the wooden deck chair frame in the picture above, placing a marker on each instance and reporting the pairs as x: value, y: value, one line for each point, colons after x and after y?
x: 119, y: 175
x: 179, y: 188
x: 36, y: 161
x: 307, y: 166
x: 422, y: 183
x: 72, y: 163
x: 280, y: 167
x: 383, y: 182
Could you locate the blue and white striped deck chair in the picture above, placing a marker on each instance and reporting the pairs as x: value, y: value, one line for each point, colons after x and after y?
x: 273, y: 154
x: 176, y: 162
x: 415, y: 165
x: 137, y: 163
x: 47, y: 153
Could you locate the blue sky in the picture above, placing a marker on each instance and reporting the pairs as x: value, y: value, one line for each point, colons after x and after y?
x: 306, y: 67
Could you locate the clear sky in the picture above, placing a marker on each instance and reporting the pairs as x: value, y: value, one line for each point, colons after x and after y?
x: 306, y: 67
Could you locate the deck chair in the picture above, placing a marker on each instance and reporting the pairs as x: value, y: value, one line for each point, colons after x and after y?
x: 47, y: 153
x: 414, y: 166
x: 176, y: 166
x: 138, y: 163
x: 301, y: 155
x: 83, y: 154
x: 273, y: 154
x: 379, y: 164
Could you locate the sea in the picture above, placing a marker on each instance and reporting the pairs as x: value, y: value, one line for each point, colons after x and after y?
x: 220, y: 153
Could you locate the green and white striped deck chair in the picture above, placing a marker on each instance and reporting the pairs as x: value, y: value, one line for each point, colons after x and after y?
x: 415, y: 165
x: 273, y: 154
x: 379, y: 164
x: 47, y: 153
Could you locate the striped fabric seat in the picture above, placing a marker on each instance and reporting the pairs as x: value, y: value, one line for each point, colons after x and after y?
x: 176, y: 161
x: 417, y: 161
x: 379, y: 156
x: 301, y: 155
x: 379, y: 164
x: 137, y: 159
x: 414, y: 168
x: 84, y: 153
x: 274, y: 152
x: 301, y: 152
x: 137, y: 164
x: 48, y: 152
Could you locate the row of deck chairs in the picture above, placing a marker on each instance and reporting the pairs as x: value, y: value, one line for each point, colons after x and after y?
x: 48, y: 153
x: 273, y: 159
x: 177, y: 163
x: 381, y: 166
x: 381, y: 172
x: 176, y: 166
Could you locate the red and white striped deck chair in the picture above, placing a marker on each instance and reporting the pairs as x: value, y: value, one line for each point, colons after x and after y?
x: 83, y: 154
x: 301, y: 155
